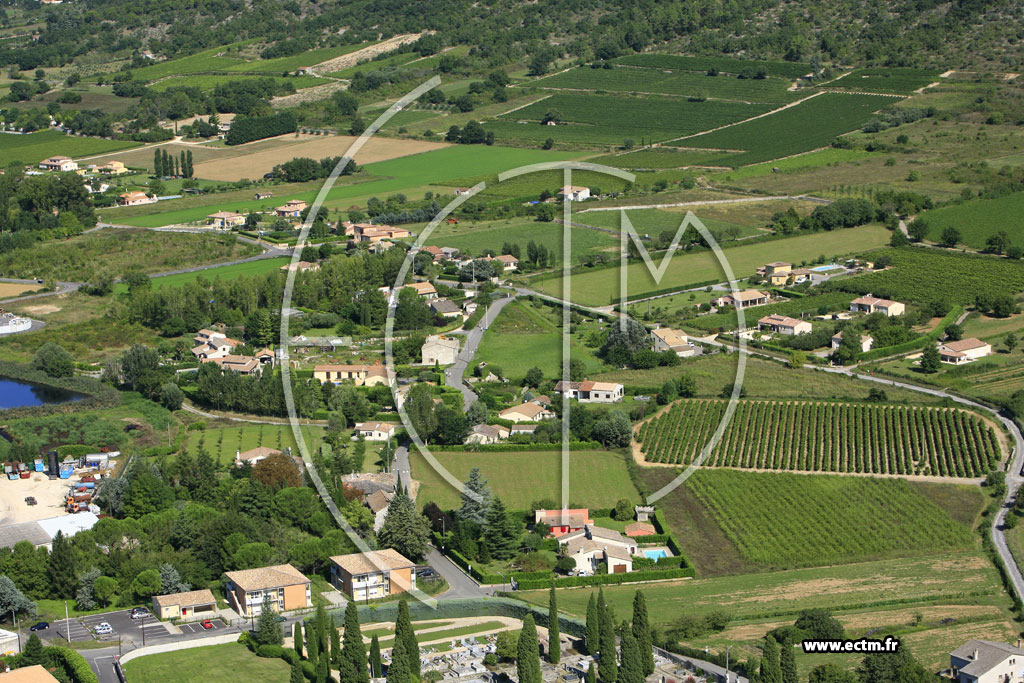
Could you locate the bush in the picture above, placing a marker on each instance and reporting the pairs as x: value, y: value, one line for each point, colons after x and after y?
x: 270, y: 651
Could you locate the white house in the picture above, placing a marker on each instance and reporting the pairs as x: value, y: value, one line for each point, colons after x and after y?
x: 213, y: 345
x: 591, y: 545
x: 508, y: 262
x: 440, y: 349
x: 744, y: 299
x: 784, y: 325
x: 872, y: 304
x: 985, y: 661
x: 58, y: 163
x: 487, y: 434
x: 667, y: 339
x: 574, y: 193
x: 592, y: 392
x: 526, y: 412
x: 866, y: 341
x: 375, y: 431
x: 254, y: 455
x: 963, y: 351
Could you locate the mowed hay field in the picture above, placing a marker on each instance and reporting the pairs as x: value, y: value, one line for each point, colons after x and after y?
x: 253, y: 163
x: 9, y: 289
x: 601, y: 287
x: 34, y: 147
x: 519, y: 479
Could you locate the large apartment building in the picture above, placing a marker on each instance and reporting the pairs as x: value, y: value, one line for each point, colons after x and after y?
x: 376, y: 574
x: 287, y: 587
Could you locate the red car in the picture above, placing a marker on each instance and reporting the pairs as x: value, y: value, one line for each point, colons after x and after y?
x: 207, y: 624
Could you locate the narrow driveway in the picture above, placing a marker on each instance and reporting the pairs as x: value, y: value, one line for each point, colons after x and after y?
x: 454, y: 374
x: 460, y: 585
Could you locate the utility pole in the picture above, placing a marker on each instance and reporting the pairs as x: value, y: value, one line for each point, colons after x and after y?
x: 67, y: 622
x: 14, y: 616
x: 727, y: 676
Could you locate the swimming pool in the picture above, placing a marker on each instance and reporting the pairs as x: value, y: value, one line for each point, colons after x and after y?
x: 655, y: 554
x: 827, y: 266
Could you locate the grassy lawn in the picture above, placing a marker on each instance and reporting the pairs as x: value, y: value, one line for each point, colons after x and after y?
x: 450, y: 633
x: 115, y: 252
x: 978, y: 219
x: 655, y: 221
x: 601, y: 287
x: 527, y: 335
x: 225, y: 273
x: 596, y: 478
x: 222, y: 443
x: 34, y: 147
x: 473, y: 238
x: 214, y: 663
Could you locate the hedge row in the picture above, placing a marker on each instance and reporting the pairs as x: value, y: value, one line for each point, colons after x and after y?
x: 608, y: 579
x: 74, y: 665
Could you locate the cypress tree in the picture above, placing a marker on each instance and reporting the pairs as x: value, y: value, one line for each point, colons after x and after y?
x: 631, y: 670
x: 191, y: 168
x: 353, y: 651
x: 593, y: 626
x: 174, y: 165
x: 335, y: 642
x: 591, y: 675
x: 181, y: 163
x: 297, y: 638
x: 165, y: 163
x: 323, y: 637
x: 375, y: 667
x: 404, y: 632
x: 642, y: 633
x: 158, y: 163
x: 398, y: 669
x: 296, y: 674
x: 606, y: 666
x: 771, y: 671
x: 528, y: 653
x: 787, y: 662
x: 312, y: 643
x: 323, y: 669
x: 554, y: 637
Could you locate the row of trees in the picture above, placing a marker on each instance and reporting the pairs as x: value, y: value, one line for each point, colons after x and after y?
x: 247, y: 129
x: 165, y: 165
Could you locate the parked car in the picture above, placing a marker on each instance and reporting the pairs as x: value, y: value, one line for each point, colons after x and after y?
x: 426, y: 573
x: 140, y: 613
x: 206, y: 623
x: 41, y: 626
x: 103, y: 628
x: 278, y: 618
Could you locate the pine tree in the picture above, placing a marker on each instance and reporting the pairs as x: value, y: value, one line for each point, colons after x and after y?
x: 499, y: 532
x: 787, y: 663
x: 398, y: 669
x: 606, y: 666
x: 404, y: 632
x: 375, y: 667
x: 404, y: 528
x: 353, y: 651
x: 297, y: 638
x: 554, y: 637
x: 61, y: 571
x: 631, y: 670
x: 335, y: 642
x: 158, y: 164
x: 268, y: 632
x: 593, y: 626
x: 642, y: 633
x: 528, y: 653
x: 33, y: 652
x: 771, y: 671
x: 296, y: 674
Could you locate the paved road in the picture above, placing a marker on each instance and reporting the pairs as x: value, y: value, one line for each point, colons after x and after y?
x: 401, y: 465
x: 62, y: 288
x: 454, y: 374
x: 460, y: 585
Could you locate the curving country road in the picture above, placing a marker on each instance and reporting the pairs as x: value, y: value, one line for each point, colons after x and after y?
x: 453, y: 376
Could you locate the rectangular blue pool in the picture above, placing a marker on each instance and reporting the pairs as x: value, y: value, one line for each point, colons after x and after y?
x: 655, y: 554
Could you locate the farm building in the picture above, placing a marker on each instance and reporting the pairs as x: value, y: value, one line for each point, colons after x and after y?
x: 963, y: 351
x: 440, y: 349
x: 287, y: 587
x: 744, y: 299
x: 360, y: 375
x: 526, y: 412
x: 376, y: 574
x: 375, y: 431
x: 866, y: 341
x: 194, y: 604
x: 872, y: 304
x: 985, y: 661
x: 574, y: 193
x: 564, y: 521
x: 667, y: 339
x: 58, y: 164
x: 225, y: 219
x: 592, y: 392
x: 782, y: 324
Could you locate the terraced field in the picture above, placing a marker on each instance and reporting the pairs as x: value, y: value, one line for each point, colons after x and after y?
x: 809, y: 125
x: 825, y: 437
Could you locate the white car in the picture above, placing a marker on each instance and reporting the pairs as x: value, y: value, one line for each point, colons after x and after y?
x: 103, y: 628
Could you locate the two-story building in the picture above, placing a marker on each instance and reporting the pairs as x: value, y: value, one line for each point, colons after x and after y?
x: 986, y: 661
x: 58, y: 163
x: 286, y: 586
x: 376, y: 574
x: 872, y: 304
x: 292, y: 208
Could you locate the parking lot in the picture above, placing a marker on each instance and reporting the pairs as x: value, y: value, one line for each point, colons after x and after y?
x: 127, y: 629
x: 196, y: 627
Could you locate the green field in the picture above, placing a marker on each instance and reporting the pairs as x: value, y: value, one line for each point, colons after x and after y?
x: 223, y: 272
x: 211, y: 81
x: 655, y: 221
x: 661, y: 157
x: 825, y: 437
x: 796, y: 308
x: 607, y: 118
x: 922, y: 275
x: 979, y: 219
x: 601, y: 287
x: 686, y: 83
x: 279, y: 65
x: 529, y: 335
x: 789, y: 592
x: 412, y: 174
x: 473, y: 238
x: 213, y: 663
x: 725, y: 65
x: 830, y: 156
x: 519, y: 479
x: 222, y: 443
x: 206, y: 61
x: 809, y: 125
x: 34, y: 147
x: 886, y: 79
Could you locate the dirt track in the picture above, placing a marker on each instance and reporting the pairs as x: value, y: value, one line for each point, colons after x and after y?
x: 353, y: 58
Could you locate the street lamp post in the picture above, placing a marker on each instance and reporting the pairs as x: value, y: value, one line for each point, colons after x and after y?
x: 14, y: 617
